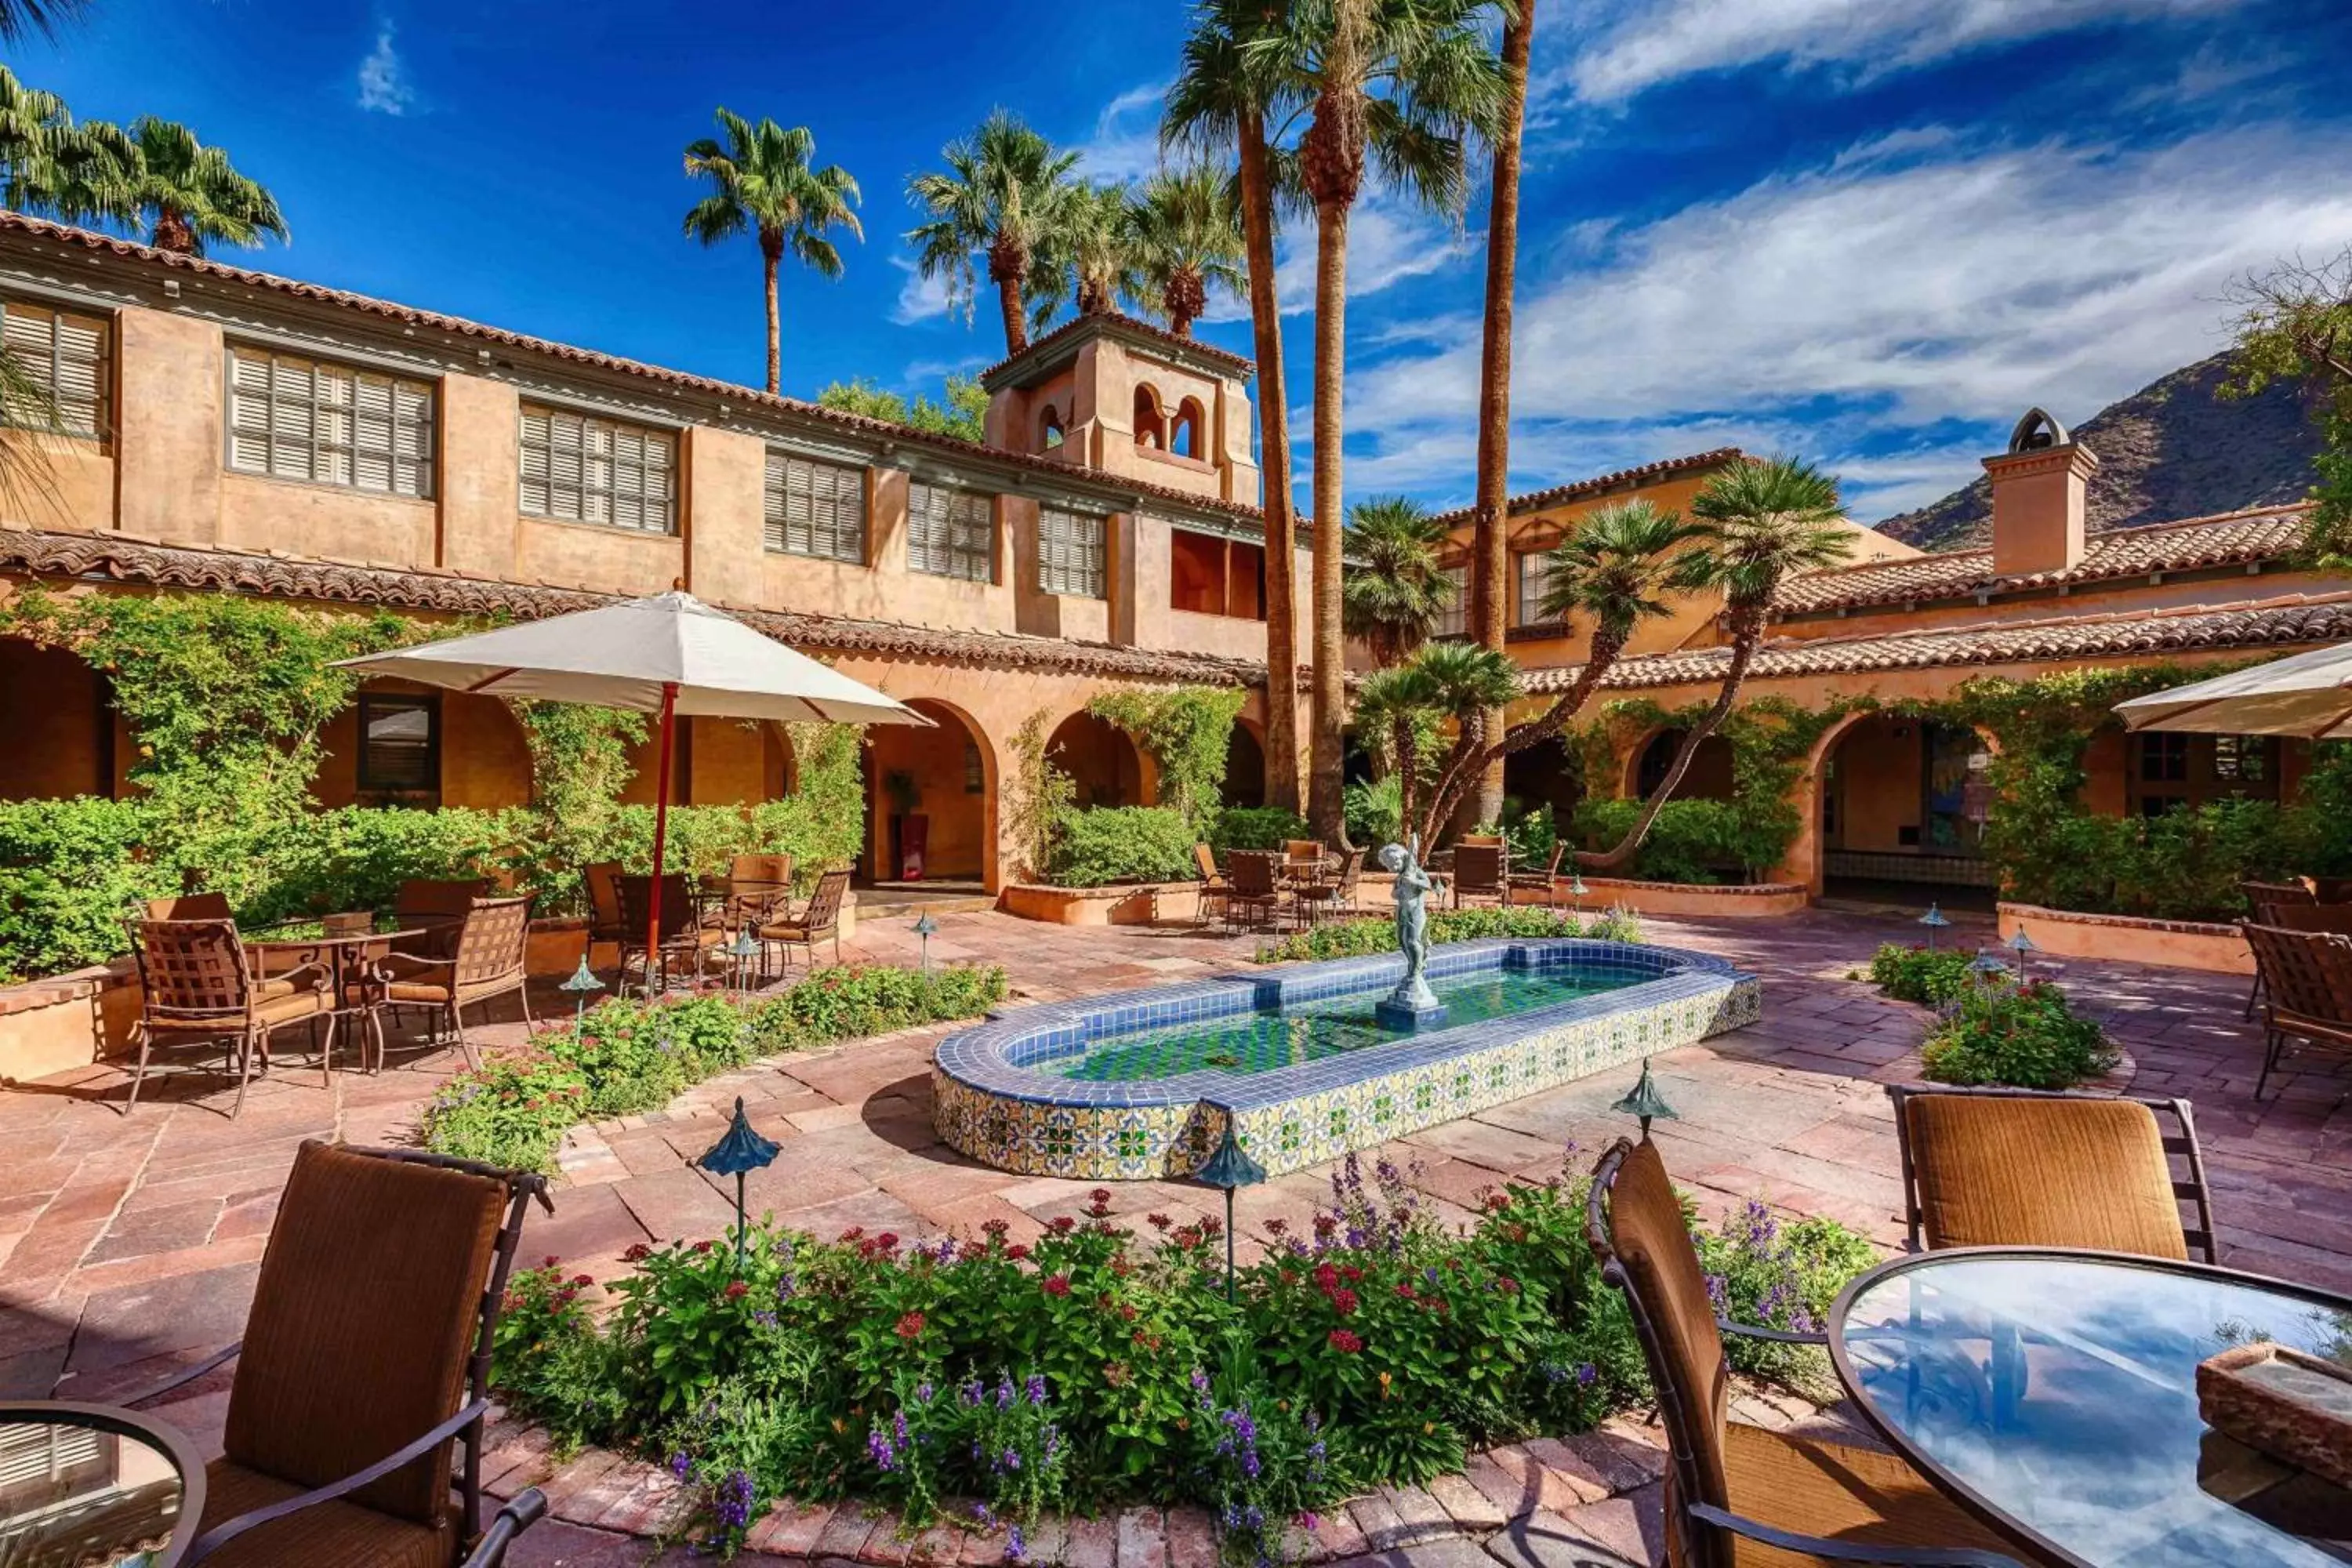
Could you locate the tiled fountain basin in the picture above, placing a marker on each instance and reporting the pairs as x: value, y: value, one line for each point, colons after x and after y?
x: 993, y: 1103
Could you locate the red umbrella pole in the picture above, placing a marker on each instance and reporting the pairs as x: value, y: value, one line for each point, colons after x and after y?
x: 661, y: 830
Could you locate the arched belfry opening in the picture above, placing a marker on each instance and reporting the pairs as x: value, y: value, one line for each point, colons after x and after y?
x: 2038, y: 431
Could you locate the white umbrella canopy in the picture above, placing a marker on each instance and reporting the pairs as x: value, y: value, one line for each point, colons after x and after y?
x: 2308, y: 694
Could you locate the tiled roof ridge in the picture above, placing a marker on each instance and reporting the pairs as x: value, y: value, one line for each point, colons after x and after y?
x: 1554, y: 494
x: 253, y: 278
x: 2239, y: 515
x: 277, y: 573
x: 1120, y: 318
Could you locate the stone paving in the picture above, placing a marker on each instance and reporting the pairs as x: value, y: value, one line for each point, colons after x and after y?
x: 129, y: 1244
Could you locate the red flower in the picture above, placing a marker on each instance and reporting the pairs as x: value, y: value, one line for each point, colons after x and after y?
x: 1325, y: 1223
x: 550, y: 1262
x: 910, y: 1326
x: 1405, y: 1290
x: 1288, y: 1277
x: 1346, y: 1343
x: 1100, y: 1195
x: 995, y: 1227
x: 1127, y: 1310
x: 1120, y: 1268
x: 1277, y: 1225
x: 738, y: 1290
x: 1343, y: 1301
x: 1327, y: 1278
x: 1059, y: 1285
x: 1498, y: 1202
x: 578, y: 1280
x: 886, y: 1241
x: 1352, y: 1274
x: 1211, y: 1226
x: 1063, y: 1225
x: 1506, y: 1285
x: 1159, y: 1222
x: 700, y: 1246
x: 853, y: 1233
x: 638, y: 1252
x: 1017, y: 1252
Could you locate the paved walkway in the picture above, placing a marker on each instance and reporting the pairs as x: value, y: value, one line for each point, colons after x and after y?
x: 129, y: 1244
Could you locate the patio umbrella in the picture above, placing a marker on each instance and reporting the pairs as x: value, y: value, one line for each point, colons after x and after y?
x: 669, y: 655
x: 2309, y: 694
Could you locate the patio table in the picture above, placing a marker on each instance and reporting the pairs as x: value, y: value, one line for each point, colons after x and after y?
x: 97, y: 1486
x: 351, y: 957
x: 2053, y: 1394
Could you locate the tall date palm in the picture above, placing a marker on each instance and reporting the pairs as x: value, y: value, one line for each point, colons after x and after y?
x: 763, y: 182
x: 1394, y: 593
x: 1005, y: 191
x: 155, y: 174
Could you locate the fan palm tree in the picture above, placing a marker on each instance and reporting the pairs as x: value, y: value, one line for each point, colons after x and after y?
x: 1227, y: 88
x: 1394, y: 86
x: 1759, y: 524
x: 154, y: 174
x: 35, y: 131
x: 1613, y: 572
x: 762, y: 182
x: 1185, y: 233
x: 21, y: 20
x: 1004, y: 191
x: 1394, y: 593
x: 1089, y: 257
x: 1459, y: 683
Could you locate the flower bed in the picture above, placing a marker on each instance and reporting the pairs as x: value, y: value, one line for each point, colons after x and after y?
x: 2075, y: 933
x: 985, y: 1381
x: 628, y: 1055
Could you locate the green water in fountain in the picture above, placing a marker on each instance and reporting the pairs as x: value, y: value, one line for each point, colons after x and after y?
x: 1260, y: 1042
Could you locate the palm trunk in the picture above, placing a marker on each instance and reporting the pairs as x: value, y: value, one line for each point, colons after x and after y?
x: 1008, y: 301
x: 1274, y: 471
x: 1489, y: 549
x: 1325, y: 812
x: 775, y: 330
x: 173, y: 233
x: 1008, y: 264
x: 1749, y: 631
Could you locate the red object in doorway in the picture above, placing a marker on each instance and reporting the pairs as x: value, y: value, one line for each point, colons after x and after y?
x: 914, y: 837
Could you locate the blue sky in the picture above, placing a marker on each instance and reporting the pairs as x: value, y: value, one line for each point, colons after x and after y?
x: 1866, y: 231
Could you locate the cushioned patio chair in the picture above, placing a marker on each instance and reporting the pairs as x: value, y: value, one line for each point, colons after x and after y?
x: 1737, y: 1495
x: 2267, y: 900
x: 1547, y: 881
x: 2308, y: 978
x: 759, y: 889
x: 365, y: 1357
x: 197, y: 984
x: 684, y: 938
x: 437, y: 906
x: 2023, y: 1167
x: 1334, y: 900
x: 486, y: 962
x: 1254, y: 893
x: 602, y: 880
x: 1212, y: 881
x: 1481, y: 871
x: 820, y: 920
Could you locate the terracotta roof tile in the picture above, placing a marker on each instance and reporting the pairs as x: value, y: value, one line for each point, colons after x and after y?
x: 2296, y: 618
x: 1135, y: 326
x: 409, y: 315
x: 278, y: 576
x: 2228, y: 540
x: 1536, y: 501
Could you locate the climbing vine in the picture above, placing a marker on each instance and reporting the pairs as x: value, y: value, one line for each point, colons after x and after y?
x: 1040, y: 797
x: 1187, y: 731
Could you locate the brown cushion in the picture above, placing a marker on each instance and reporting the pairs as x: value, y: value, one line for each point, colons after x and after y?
x: 292, y: 1009
x: 1839, y: 1493
x: 1653, y: 1241
x: 2059, y: 1171
x: 339, y: 1532
x: 418, y: 991
x: 367, y: 1306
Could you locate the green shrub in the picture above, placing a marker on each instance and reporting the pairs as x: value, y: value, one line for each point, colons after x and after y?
x: 1109, y: 844
x: 1357, y: 938
x: 68, y: 872
x: 1780, y: 1274
x: 1916, y: 975
x: 2024, y: 1037
x: 1375, y: 812
x: 1694, y: 841
x: 356, y: 857
x: 1255, y: 828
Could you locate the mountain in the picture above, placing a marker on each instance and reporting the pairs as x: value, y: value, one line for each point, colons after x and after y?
x: 2172, y: 449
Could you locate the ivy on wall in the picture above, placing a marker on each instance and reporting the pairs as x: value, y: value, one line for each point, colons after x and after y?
x: 1038, y: 797
x: 1187, y: 731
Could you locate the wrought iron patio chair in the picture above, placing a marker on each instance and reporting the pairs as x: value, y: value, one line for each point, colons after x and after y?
x: 602, y: 882
x: 1253, y: 894
x: 2266, y: 900
x: 1736, y: 1494
x: 487, y: 962
x: 684, y: 937
x: 435, y: 908
x: 821, y: 919
x: 197, y: 985
x: 2026, y: 1167
x: 1213, y: 887
x: 2308, y: 978
x: 366, y: 1356
x: 1334, y: 900
x: 1547, y: 881
x: 1482, y: 871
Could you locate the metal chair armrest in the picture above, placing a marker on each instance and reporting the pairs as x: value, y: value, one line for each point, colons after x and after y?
x: 1852, y: 1551
x: 219, y: 1535
x: 187, y: 1374
x: 1775, y: 1336
x: 523, y: 1510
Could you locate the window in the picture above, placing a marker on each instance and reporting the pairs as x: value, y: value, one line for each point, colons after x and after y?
x: 400, y: 743
x: 295, y: 419
x: 1454, y: 620
x: 1150, y: 426
x: 1185, y: 439
x: 952, y: 533
x: 1535, y: 582
x: 577, y: 467
x: 1070, y: 553
x: 1049, y: 427
x: 816, y: 508
x: 2172, y: 772
x: 65, y: 355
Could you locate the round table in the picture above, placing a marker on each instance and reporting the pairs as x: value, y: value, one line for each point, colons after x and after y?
x: 93, y: 1487
x: 2053, y: 1394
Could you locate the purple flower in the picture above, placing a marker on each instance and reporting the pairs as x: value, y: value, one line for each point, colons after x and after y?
x: 886, y: 1457
x: 923, y: 1393
x: 1586, y: 1375
x: 680, y: 1463
x: 1016, y: 1549
x: 1035, y: 1389
x: 972, y: 1393
x: 1004, y: 1392
x: 1009, y: 1460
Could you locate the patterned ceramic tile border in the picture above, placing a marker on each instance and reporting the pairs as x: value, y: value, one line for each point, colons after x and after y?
x: 993, y: 1105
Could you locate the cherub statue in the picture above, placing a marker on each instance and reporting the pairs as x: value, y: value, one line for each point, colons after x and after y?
x: 1410, y: 893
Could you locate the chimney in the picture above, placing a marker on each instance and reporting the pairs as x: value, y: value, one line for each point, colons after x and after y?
x: 2037, y: 497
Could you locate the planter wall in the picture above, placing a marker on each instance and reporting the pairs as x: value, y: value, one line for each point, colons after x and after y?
x: 2182, y: 944
x: 1135, y: 903
x: 1734, y: 901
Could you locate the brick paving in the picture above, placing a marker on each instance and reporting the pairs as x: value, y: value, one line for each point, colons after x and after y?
x: 129, y: 1244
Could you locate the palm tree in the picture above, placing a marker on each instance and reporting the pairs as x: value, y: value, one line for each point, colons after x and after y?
x: 23, y: 19
x: 33, y: 129
x: 1489, y: 548
x: 1611, y: 573
x: 1398, y: 85
x: 1186, y: 235
x: 1461, y: 683
x: 1393, y: 595
x: 1759, y: 525
x: 156, y: 175
x: 762, y: 182
x: 1089, y: 257
x: 1225, y: 91
x: 1005, y: 191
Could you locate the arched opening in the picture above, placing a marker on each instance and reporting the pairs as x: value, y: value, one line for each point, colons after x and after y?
x: 1049, y: 430
x: 1150, y: 424
x: 1708, y: 777
x: 1189, y: 437
x: 932, y: 794
x: 1245, y: 769
x: 1548, y: 775
x: 1100, y: 759
x: 64, y: 738
x: 1903, y: 802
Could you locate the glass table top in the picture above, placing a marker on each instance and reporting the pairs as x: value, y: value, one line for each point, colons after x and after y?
x: 76, y: 1495
x: 2061, y: 1393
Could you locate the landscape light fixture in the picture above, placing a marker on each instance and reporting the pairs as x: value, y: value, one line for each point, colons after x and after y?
x: 2022, y: 945
x: 1644, y: 1102
x: 741, y: 953
x: 924, y: 927
x: 1230, y: 1167
x: 1577, y: 890
x: 738, y: 1150
x: 582, y: 983
x: 1985, y: 966
x: 1935, y: 921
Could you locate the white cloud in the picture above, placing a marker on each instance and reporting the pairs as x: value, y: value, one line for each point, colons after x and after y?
x: 1660, y: 40
x: 1125, y: 144
x: 383, y: 80
x: 923, y: 372
x: 1905, y: 298
x: 1388, y: 242
x: 919, y: 298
